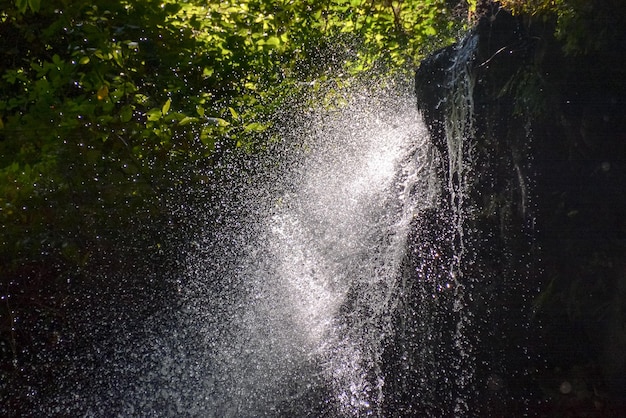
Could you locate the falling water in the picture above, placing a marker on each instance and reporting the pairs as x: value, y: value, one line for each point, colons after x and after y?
x: 294, y: 296
x: 459, y: 128
x: 307, y: 291
x: 335, y: 274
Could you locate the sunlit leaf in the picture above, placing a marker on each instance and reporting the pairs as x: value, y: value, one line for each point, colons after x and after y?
x: 187, y: 120
x: 254, y: 127
x: 166, y: 107
x: 273, y: 41
x: 430, y: 31
x: 154, y: 114
x: 217, y: 121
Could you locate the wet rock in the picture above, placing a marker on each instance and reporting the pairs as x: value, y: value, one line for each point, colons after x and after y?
x: 542, y: 203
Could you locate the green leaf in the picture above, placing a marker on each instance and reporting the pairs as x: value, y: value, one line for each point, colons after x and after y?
x: 254, y: 127
x: 84, y: 60
x: 187, y: 120
x: 126, y: 113
x: 34, y: 5
x: 233, y: 113
x: 207, y: 138
x: 35, y: 66
x: 430, y: 31
x: 166, y: 107
x: 21, y: 5
x: 154, y: 114
x: 273, y: 41
x: 217, y: 121
x: 174, y: 116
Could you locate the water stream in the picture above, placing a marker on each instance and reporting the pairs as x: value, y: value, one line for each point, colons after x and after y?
x: 294, y: 297
x: 357, y: 267
x: 307, y: 295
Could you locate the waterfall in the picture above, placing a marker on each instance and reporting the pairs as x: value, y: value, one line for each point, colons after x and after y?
x: 323, y: 277
x: 458, y: 258
x: 326, y: 276
x: 291, y: 280
x: 459, y: 132
x: 298, y: 306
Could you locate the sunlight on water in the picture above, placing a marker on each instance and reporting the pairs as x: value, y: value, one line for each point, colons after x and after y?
x: 309, y: 302
x: 291, y: 277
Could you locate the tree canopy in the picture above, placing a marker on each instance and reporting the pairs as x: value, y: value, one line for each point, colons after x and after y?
x: 98, y: 96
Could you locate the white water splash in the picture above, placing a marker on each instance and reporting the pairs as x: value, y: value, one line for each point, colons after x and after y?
x: 291, y: 280
x: 316, y: 276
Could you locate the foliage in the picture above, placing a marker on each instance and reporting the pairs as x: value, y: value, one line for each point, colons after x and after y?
x: 103, y: 103
x: 101, y: 95
x: 584, y: 26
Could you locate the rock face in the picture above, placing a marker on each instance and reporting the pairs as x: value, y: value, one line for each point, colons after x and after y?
x: 515, y: 288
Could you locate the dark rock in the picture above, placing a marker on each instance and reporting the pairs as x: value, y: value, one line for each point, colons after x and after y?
x: 538, y: 208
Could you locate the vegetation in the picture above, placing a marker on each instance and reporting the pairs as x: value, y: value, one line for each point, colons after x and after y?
x: 103, y: 104
x: 100, y: 96
x: 584, y: 26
